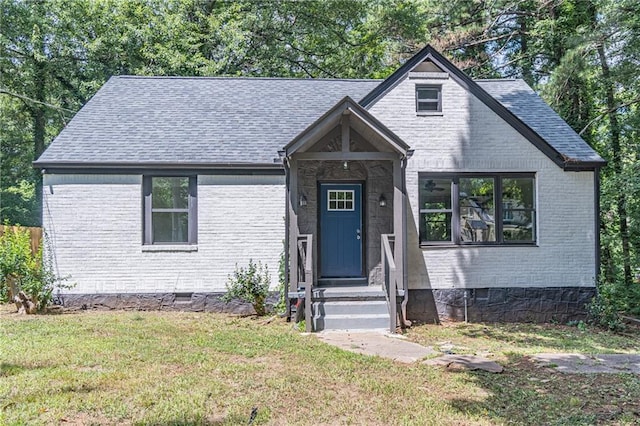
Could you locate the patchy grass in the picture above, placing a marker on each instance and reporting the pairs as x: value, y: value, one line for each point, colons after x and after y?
x: 528, y: 394
x: 187, y: 368
x: 525, y: 339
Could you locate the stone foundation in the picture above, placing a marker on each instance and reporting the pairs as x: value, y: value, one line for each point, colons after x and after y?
x: 560, y: 304
x: 190, y: 302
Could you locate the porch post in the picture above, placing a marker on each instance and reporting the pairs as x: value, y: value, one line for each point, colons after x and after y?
x: 293, y: 225
x: 399, y: 221
x: 287, y: 274
x: 346, y: 131
x: 405, y: 249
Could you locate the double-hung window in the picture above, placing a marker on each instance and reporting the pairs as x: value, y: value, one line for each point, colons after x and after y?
x: 428, y: 99
x: 170, y: 209
x: 472, y: 208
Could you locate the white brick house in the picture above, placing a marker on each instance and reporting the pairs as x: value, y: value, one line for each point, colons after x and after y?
x: 439, y: 195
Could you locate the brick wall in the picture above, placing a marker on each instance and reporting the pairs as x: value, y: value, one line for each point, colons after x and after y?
x: 94, y: 224
x: 469, y: 137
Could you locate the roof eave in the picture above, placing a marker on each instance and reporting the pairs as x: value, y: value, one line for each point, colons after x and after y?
x: 583, y: 166
x: 156, y: 165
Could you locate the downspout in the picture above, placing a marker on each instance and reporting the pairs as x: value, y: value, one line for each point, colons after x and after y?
x: 466, y: 305
x: 405, y: 258
x: 286, y: 239
x: 596, y: 201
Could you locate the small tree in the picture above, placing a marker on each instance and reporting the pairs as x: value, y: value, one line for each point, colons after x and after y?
x: 250, y: 284
x: 25, y: 278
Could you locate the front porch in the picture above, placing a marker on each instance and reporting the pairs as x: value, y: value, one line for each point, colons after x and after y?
x: 346, y: 221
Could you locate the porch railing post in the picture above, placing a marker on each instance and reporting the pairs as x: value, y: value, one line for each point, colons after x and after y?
x: 390, y: 279
x: 308, y: 277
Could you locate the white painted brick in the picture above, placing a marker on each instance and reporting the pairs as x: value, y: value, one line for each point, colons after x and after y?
x: 469, y: 137
x: 95, y: 222
x: 95, y: 227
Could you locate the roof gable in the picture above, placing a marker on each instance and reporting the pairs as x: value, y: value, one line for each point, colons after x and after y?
x: 359, y: 119
x: 580, y: 156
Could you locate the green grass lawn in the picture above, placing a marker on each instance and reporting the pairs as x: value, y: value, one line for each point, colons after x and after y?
x: 196, y: 368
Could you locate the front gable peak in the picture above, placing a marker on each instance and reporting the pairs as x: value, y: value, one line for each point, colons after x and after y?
x: 335, y: 130
x: 429, y: 63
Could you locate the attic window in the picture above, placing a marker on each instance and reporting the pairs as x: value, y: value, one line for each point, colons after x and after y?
x: 428, y: 99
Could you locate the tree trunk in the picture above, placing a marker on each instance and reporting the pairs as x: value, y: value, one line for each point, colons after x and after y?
x: 526, y: 62
x: 11, y: 284
x: 606, y: 262
x: 39, y: 123
x: 616, y: 165
x: 24, y: 303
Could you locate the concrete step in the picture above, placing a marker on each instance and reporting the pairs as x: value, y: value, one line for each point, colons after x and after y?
x: 350, y: 307
x: 351, y: 322
x: 342, y: 282
x: 349, y: 293
x: 355, y: 307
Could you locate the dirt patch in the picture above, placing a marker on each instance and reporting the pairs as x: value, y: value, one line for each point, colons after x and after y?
x: 81, y: 419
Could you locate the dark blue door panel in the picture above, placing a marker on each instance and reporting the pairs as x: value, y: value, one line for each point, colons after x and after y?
x: 340, y: 230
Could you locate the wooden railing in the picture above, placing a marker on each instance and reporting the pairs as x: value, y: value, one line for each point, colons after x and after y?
x: 390, y: 279
x: 305, y: 274
x: 394, y: 284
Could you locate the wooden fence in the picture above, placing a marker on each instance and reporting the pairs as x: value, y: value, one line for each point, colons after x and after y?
x: 35, y: 233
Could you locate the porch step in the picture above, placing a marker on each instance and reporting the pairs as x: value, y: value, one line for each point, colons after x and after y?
x: 349, y: 308
x: 348, y: 293
x: 351, y: 322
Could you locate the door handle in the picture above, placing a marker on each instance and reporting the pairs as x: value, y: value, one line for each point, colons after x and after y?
x: 357, y: 234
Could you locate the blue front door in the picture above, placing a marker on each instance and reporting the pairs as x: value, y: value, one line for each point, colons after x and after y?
x: 340, y: 230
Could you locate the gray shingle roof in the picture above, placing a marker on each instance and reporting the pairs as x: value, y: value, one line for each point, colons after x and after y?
x: 525, y: 104
x: 196, y: 120
x: 144, y: 120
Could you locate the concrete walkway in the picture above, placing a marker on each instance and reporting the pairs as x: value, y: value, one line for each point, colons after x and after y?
x: 397, y: 348
x: 382, y: 344
x: 579, y: 363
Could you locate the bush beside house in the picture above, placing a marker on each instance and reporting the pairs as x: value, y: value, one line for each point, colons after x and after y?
x: 26, y: 277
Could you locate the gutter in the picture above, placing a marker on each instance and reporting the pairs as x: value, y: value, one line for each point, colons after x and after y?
x: 583, y: 166
x: 71, y: 167
x: 152, y: 164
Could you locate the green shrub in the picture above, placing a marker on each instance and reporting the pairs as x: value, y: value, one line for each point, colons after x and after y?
x: 16, y: 260
x: 30, y: 273
x: 604, y: 309
x: 250, y: 284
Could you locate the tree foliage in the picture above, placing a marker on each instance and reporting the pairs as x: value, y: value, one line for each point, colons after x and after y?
x: 580, y: 55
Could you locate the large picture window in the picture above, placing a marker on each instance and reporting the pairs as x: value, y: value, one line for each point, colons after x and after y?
x: 170, y: 210
x: 477, y: 209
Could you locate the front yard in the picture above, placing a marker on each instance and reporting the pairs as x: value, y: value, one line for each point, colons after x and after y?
x: 195, y: 368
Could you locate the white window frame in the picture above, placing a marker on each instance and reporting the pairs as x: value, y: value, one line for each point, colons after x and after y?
x: 338, y: 200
